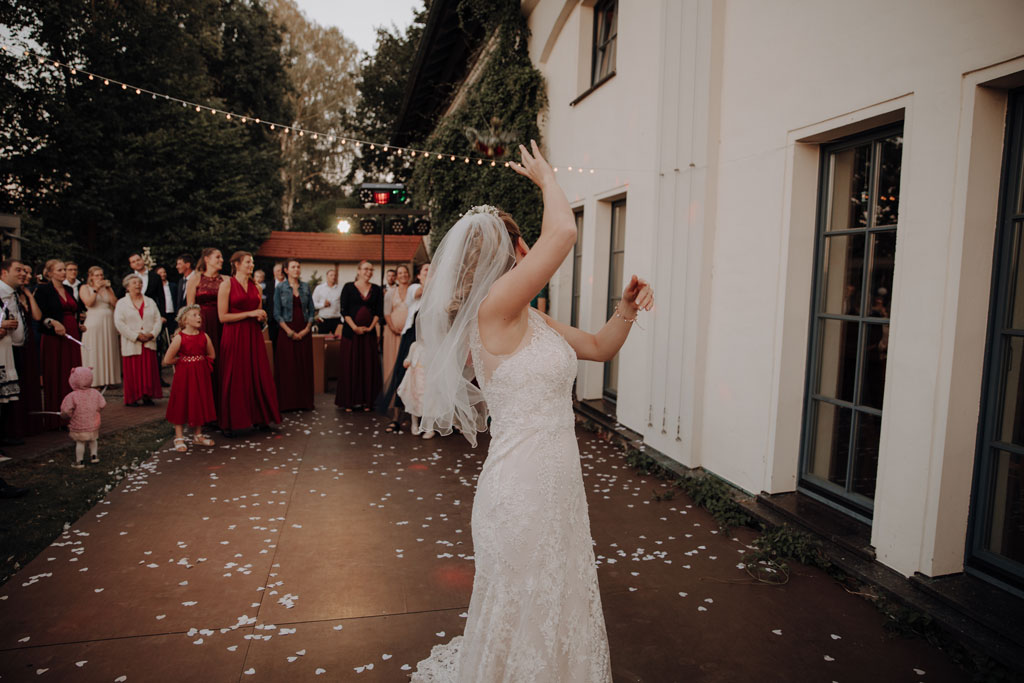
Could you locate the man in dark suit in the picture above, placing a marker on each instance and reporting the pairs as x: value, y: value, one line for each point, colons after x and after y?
x: 151, y: 284
x: 184, y: 267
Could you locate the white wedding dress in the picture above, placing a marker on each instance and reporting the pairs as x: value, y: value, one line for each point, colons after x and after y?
x: 535, y: 614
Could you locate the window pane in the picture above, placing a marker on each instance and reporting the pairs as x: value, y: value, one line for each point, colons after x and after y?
x: 1006, y: 516
x: 1015, y: 304
x: 831, y: 442
x: 880, y: 274
x: 838, y: 362
x: 876, y: 352
x: 865, y: 462
x: 851, y: 173
x: 887, y: 203
x: 1011, y: 428
x: 842, y: 274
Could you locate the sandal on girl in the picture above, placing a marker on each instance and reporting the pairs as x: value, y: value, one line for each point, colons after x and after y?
x: 94, y: 458
x: 179, y: 444
x: 78, y: 465
x: 202, y: 440
x: 428, y: 435
x: 391, y: 428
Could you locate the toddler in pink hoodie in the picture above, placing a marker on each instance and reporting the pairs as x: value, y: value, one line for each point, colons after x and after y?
x: 82, y: 408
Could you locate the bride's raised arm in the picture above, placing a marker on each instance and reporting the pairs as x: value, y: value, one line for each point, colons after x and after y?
x: 511, y: 293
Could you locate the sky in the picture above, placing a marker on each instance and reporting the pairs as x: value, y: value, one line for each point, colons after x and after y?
x: 358, y: 19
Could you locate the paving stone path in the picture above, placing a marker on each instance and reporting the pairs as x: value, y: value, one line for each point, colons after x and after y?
x: 336, y: 552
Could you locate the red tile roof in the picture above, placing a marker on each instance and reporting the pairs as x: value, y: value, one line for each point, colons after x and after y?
x: 337, y: 248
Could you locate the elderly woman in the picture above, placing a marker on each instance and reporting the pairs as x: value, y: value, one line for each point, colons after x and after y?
x: 138, y: 322
x: 101, y: 346
x: 293, y: 357
x: 59, y: 349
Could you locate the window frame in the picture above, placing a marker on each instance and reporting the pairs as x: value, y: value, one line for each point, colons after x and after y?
x: 577, y: 270
x: 597, y: 51
x: 614, y: 292
x: 979, y: 560
x: 841, y: 497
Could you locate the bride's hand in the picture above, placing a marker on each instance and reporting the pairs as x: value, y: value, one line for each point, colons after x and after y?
x: 533, y: 165
x: 638, y: 294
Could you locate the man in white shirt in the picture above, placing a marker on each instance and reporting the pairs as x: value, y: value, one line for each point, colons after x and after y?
x: 327, y: 302
x: 184, y: 267
x: 12, y: 324
x: 71, y: 278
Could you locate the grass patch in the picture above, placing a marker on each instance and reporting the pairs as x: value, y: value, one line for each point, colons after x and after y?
x: 60, y: 495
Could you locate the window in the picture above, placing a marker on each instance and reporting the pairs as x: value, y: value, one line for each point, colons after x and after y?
x: 605, y: 32
x: 577, y: 269
x: 996, y: 544
x: 855, y: 254
x: 615, y: 284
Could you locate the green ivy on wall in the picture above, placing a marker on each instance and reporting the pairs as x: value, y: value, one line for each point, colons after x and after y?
x: 503, y: 104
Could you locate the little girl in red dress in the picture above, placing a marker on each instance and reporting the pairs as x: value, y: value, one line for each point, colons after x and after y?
x: 191, y: 352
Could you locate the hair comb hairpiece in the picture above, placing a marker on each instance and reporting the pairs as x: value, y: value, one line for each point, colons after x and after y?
x: 483, y: 208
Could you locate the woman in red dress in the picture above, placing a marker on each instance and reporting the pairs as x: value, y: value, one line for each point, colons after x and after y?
x: 359, y: 377
x: 203, y: 288
x: 248, y: 395
x: 191, y: 402
x: 58, y: 354
x: 138, y: 321
x: 293, y: 356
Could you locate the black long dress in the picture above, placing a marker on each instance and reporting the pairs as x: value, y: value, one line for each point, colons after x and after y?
x: 359, y: 372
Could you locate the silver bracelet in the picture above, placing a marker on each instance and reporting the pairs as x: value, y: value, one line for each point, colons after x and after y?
x: 628, y: 320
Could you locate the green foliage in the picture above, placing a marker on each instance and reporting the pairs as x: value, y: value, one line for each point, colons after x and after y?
x: 781, y: 543
x: 96, y: 171
x: 508, y: 96
x: 384, y: 76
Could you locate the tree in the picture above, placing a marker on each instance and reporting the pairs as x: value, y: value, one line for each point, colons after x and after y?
x: 382, y: 82
x: 322, y: 68
x: 97, y: 171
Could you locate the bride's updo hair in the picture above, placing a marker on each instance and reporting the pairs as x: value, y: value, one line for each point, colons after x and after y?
x: 471, y: 258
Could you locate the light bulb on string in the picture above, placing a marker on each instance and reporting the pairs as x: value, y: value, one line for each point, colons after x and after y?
x: 466, y: 160
x: 198, y: 107
x: 479, y: 162
x: 90, y: 77
x: 106, y: 82
x: 271, y: 126
x: 492, y: 164
x: 138, y: 92
x: 245, y: 119
x: 372, y: 147
x: 227, y: 116
x: 256, y: 120
x: 74, y: 71
x: 124, y: 87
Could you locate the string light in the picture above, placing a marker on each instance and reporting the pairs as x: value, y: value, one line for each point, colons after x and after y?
x: 285, y: 129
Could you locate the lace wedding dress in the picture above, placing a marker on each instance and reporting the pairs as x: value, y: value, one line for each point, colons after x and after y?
x: 535, y: 614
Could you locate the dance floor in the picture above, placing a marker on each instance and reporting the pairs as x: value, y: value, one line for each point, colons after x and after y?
x: 334, y: 551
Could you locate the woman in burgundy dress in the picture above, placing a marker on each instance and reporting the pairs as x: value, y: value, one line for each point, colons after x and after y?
x: 203, y: 288
x: 248, y: 396
x: 359, y: 374
x: 57, y: 353
x: 293, y: 356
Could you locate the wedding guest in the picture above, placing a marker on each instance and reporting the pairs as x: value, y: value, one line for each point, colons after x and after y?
x: 151, y: 286
x: 184, y: 265
x: 390, y: 278
x: 204, y: 290
x: 391, y: 402
x: 293, y: 357
x: 248, y: 395
x: 191, y: 403
x: 327, y: 302
x: 60, y: 348
x: 22, y: 418
x: 170, y: 292
x: 268, y: 302
x: 359, y: 374
x: 81, y: 408
x: 396, y: 308
x: 12, y: 330
x: 101, y: 344
x: 259, y: 276
x: 138, y: 321
x: 71, y: 278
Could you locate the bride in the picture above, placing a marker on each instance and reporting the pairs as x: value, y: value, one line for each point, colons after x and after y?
x: 535, y: 614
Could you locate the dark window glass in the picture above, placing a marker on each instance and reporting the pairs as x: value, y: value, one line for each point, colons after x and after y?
x: 996, y: 546
x: 605, y: 33
x: 577, y: 270
x: 856, y: 253
x: 615, y: 285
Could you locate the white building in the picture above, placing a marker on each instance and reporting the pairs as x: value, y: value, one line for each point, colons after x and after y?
x: 828, y: 200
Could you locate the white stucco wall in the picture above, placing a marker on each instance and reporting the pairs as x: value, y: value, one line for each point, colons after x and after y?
x: 710, y: 129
